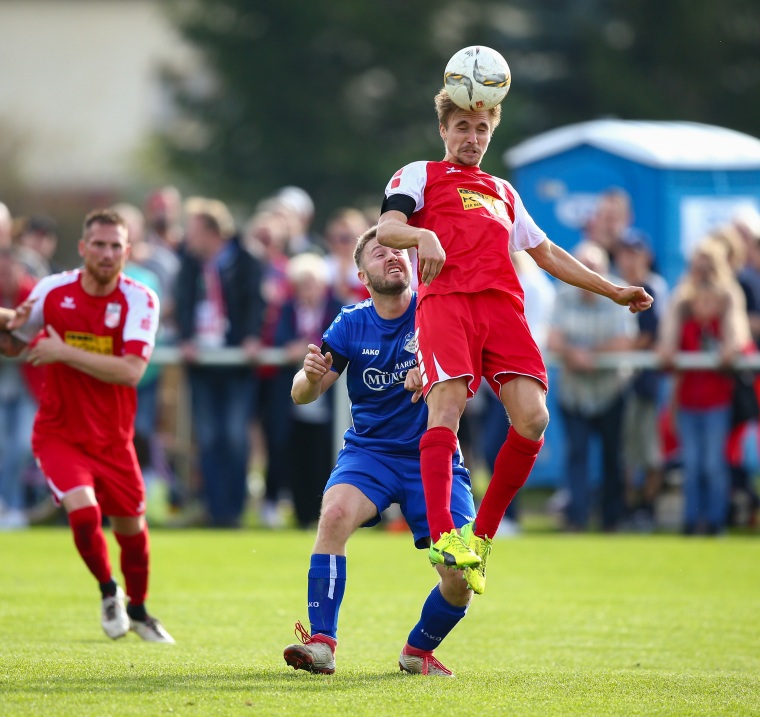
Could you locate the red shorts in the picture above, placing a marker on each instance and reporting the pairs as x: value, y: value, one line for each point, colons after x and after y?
x: 473, y: 336
x: 111, y: 471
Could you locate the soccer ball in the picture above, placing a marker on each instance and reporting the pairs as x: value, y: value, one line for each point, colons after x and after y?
x: 477, y: 78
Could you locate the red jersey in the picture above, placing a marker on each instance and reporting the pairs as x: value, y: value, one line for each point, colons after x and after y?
x: 75, y: 406
x: 703, y: 389
x: 478, y: 218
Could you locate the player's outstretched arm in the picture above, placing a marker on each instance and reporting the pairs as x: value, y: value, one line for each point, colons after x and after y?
x: 565, y: 267
x: 314, y: 378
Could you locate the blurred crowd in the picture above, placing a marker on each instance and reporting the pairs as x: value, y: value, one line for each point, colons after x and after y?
x: 277, y: 280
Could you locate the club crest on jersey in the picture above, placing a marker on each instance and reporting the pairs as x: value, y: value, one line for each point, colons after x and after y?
x: 410, y: 342
x: 113, y: 315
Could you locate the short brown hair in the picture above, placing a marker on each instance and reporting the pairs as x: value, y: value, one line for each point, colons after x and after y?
x: 445, y: 108
x: 103, y: 216
x: 362, y: 242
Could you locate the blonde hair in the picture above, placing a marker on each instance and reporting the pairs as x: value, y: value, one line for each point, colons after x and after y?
x: 445, y: 109
x: 214, y: 213
x: 306, y: 265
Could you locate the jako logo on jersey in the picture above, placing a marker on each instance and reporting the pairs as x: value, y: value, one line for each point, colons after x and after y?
x: 313, y: 604
x: 378, y: 380
x: 68, y: 303
x: 451, y: 170
x: 370, y: 352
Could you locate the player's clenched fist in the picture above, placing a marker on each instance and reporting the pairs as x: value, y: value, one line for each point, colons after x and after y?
x: 315, y: 365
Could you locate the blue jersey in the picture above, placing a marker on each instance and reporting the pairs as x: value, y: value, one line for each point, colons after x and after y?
x: 377, y: 354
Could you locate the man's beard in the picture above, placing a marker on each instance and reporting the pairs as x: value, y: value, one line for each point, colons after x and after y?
x: 381, y: 285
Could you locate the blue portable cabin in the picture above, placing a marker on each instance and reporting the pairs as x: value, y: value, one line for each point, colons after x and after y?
x: 684, y: 179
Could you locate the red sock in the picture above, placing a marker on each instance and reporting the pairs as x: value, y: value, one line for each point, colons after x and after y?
x: 86, y: 525
x: 437, y: 447
x: 134, y: 564
x: 511, y: 469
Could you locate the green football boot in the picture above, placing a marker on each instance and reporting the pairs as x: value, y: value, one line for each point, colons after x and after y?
x: 451, y: 551
x: 476, y: 575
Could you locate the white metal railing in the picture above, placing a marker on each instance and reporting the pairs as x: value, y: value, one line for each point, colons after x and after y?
x: 167, y: 355
x: 171, y: 356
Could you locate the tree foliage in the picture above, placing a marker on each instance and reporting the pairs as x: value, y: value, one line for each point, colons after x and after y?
x: 335, y: 95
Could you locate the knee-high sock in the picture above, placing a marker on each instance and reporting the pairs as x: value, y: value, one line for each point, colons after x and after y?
x: 439, y: 617
x: 437, y: 447
x: 135, y: 556
x: 511, y: 469
x: 86, y: 525
x: 327, y: 585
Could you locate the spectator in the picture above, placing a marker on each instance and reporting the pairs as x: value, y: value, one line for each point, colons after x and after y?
x: 591, y: 400
x: 219, y: 304
x: 612, y: 217
x: 163, y: 217
x: 39, y: 236
x: 642, y: 457
x: 749, y: 274
x: 17, y: 403
x: 267, y: 238
x: 730, y: 242
x: 704, y: 316
x: 140, y: 266
x: 304, y: 319
x: 341, y: 230
x: 297, y: 207
x: 745, y: 494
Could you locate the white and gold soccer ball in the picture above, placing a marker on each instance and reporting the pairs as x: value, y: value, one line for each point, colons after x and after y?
x: 477, y: 78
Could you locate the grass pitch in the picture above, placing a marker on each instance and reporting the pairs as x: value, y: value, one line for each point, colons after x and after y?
x: 569, y: 625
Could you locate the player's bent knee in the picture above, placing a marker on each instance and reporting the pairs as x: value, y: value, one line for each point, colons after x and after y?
x: 532, y: 425
x: 337, y: 517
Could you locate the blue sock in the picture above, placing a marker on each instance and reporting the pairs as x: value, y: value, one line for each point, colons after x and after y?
x: 439, y: 617
x: 327, y: 584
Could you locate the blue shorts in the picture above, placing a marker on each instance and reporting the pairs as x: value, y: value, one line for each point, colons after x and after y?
x: 387, y: 479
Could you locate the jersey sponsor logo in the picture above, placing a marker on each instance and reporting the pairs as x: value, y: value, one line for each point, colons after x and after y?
x: 370, y: 352
x: 377, y: 380
x: 89, y: 342
x: 113, y: 315
x: 475, y: 200
x: 410, y: 342
x: 451, y: 170
x: 68, y: 303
